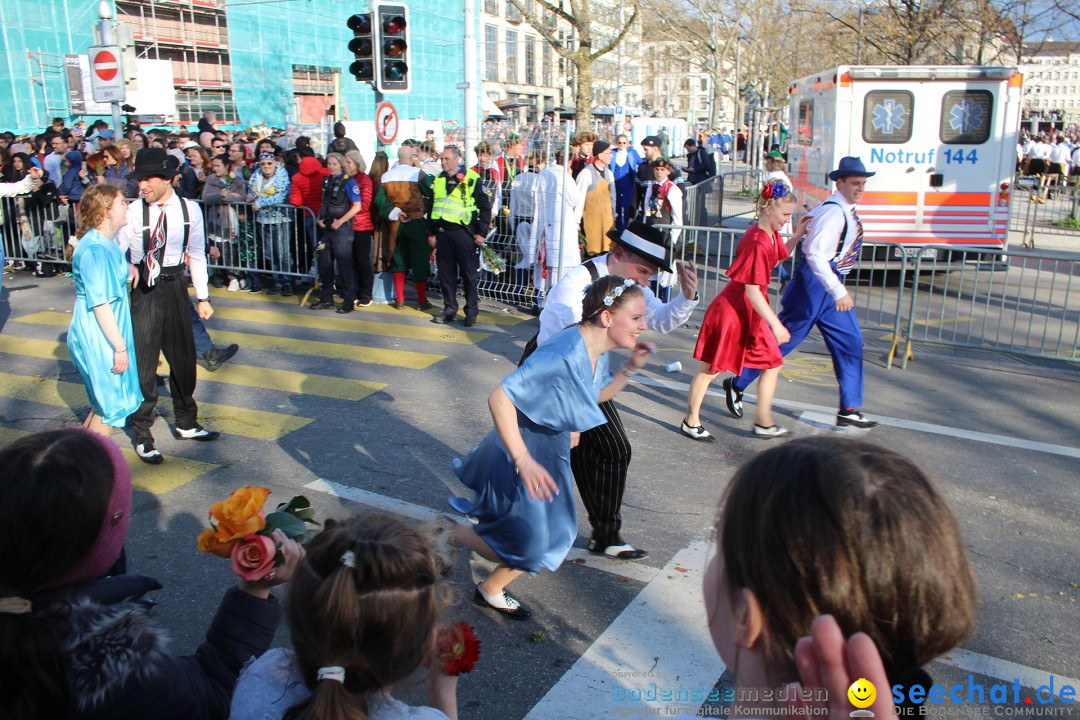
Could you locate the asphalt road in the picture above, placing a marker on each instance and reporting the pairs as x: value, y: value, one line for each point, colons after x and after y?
x: 370, y: 409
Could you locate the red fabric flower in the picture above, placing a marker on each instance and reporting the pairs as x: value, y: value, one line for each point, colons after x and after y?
x: 459, y: 648
x: 766, y: 192
x: 459, y: 177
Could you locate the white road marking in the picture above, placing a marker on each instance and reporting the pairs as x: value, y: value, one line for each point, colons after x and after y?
x: 1000, y: 669
x: 663, y: 631
x: 813, y: 413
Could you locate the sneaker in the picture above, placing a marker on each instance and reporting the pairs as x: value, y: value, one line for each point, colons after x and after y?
x: 732, y: 398
x: 149, y: 454
x: 254, y: 289
x: 469, y: 322
x: 322, y: 305
x: 502, y: 604
x: 363, y: 303
x: 443, y: 319
x: 286, y: 291
x: 234, y: 285
x: 273, y: 290
x: 853, y: 417
x: 772, y: 431
x: 197, y: 433
x: 245, y: 284
x: 696, y: 432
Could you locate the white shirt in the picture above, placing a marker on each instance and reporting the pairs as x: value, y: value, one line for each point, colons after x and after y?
x: 131, y: 238
x: 562, y: 306
x: 524, y: 191
x: 819, y: 245
x: 1059, y: 153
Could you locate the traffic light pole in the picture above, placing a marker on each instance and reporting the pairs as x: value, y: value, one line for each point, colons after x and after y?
x: 380, y: 146
x: 105, y: 14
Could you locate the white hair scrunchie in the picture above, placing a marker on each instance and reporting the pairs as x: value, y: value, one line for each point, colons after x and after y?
x: 332, y: 672
x: 349, y: 559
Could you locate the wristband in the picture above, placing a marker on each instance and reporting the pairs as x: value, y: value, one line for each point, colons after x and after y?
x: 205, y: 300
x: 123, y: 349
x: 630, y: 369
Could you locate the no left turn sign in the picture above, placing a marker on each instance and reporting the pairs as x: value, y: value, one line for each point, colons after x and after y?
x: 386, y: 122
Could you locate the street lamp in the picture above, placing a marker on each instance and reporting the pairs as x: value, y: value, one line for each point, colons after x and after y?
x: 738, y: 92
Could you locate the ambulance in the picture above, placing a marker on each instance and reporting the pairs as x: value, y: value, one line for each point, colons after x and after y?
x: 941, y: 140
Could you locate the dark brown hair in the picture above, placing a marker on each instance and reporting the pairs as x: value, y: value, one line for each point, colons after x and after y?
x: 611, y: 286
x: 375, y: 619
x: 840, y: 526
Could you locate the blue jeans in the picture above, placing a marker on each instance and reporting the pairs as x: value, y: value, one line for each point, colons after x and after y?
x: 276, y: 250
x: 203, y: 343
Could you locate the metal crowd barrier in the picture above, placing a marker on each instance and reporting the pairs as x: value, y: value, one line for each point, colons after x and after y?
x: 737, y: 190
x: 1054, y: 210
x: 32, y: 232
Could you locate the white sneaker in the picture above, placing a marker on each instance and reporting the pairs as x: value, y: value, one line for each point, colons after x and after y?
x: 234, y: 285
x: 771, y: 431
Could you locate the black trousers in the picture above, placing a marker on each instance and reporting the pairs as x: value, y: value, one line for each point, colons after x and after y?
x: 599, y: 463
x: 337, y: 245
x: 161, y: 322
x: 456, y: 251
x: 365, y: 274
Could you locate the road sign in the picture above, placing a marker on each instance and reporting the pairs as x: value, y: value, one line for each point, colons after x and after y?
x: 106, y: 78
x: 386, y: 122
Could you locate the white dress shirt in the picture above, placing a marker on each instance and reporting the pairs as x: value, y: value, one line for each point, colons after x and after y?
x: 819, y: 245
x: 131, y: 238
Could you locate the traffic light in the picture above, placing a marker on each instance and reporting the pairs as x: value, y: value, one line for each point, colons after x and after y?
x: 362, y: 46
x: 393, y: 48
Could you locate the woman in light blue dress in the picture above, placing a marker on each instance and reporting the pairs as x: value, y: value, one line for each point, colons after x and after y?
x: 100, y: 339
x: 520, y: 471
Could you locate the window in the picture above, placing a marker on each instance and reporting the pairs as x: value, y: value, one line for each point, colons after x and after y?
x: 511, y: 56
x: 805, y: 133
x: 887, y: 116
x: 512, y: 14
x: 491, y: 53
x: 704, y: 84
x: 530, y: 60
x: 966, y: 116
x: 491, y: 7
x: 546, y: 65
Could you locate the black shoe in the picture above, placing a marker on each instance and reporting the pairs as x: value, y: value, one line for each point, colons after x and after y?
x: 399, y: 305
x: 149, y: 454
x: 286, y: 291
x: 160, y: 380
x: 513, y: 610
x: 732, y: 398
x: 273, y: 290
x: 217, y: 356
x: 197, y: 433
x: 424, y: 305
x: 620, y: 551
x: 469, y: 322
x: 443, y: 319
x: 853, y: 417
x: 345, y: 309
x: 322, y: 306
x: 216, y: 281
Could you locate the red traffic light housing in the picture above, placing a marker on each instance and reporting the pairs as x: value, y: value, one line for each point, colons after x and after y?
x: 362, y: 46
x: 392, y: 25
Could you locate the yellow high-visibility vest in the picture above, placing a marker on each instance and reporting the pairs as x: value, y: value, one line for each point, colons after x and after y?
x: 457, y: 206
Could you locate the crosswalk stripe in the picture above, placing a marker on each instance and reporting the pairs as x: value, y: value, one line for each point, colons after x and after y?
x: 233, y: 374
x: 377, y: 308
x: 155, y: 479
x: 338, y: 351
x: 257, y: 424
x: 438, y: 333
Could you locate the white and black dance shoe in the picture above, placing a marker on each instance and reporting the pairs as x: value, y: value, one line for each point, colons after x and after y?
x: 622, y: 551
x: 853, y: 417
x: 773, y: 431
x: 696, y: 432
x: 502, y: 604
x: 197, y: 433
x: 732, y: 398
x: 149, y: 454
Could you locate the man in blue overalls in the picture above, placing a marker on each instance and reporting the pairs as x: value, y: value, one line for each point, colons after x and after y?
x: 816, y: 294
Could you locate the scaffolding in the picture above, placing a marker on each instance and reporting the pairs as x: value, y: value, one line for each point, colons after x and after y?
x: 47, y: 69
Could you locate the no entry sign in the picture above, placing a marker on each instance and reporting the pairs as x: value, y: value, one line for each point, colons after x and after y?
x: 106, y: 79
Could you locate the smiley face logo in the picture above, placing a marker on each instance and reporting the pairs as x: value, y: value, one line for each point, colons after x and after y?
x: 862, y: 693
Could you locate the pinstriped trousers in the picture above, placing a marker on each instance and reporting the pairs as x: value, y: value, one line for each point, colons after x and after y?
x: 161, y: 322
x: 599, y: 463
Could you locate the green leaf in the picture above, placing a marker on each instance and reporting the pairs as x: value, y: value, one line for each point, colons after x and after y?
x: 291, y: 525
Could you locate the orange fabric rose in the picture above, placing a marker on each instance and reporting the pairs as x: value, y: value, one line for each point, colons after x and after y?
x: 209, y: 543
x: 240, y: 514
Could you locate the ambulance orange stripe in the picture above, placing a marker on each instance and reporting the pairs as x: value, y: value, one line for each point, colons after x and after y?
x: 959, y: 198
x: 889, y: 198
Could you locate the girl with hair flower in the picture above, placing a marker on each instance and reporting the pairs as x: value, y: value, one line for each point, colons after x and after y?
x: 740, y: 329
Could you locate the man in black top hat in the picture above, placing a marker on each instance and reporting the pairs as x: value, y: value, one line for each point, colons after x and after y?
x: 602, y: 456
x: 163, y: 236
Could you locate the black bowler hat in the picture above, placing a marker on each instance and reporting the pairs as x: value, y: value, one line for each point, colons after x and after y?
x: 645, y: 241
x: 152, y: 162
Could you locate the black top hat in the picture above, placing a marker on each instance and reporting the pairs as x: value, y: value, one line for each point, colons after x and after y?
x: 647, y: 242
x: 850, y: 166
x: 152, y: 162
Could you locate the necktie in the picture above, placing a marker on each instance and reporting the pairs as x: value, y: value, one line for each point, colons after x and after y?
x: 847, y: 260
x: 157, y: 247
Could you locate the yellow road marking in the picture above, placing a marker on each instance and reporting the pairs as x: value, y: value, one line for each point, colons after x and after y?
x: 367, y: 327
x: 339, y: 351
x: 156, y: 479
x: 257, y: 424
x: 377, y: 308
x: 233, y: 374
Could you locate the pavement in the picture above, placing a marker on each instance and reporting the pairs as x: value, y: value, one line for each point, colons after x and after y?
x: 368, y: 410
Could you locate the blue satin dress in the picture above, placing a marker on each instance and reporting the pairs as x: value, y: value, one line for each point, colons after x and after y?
x: 555, y: 392
x: 101, y: 274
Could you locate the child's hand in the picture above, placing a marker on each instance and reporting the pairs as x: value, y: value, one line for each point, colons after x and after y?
x: 781, y: 332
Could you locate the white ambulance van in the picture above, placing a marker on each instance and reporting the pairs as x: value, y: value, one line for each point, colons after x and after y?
x: 942, y: 140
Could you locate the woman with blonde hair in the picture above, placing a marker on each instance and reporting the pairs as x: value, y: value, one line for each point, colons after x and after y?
x: 100, y: 338
x: 363, y: 228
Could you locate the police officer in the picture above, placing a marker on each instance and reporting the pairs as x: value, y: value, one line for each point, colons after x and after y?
x: 460, y: 214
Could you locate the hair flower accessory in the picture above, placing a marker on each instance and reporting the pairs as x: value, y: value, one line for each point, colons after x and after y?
x: 618, y: 290
x: 774, y: 190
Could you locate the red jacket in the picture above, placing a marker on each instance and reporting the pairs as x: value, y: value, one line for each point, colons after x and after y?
x: 362, y: 220
x: 307, y: 185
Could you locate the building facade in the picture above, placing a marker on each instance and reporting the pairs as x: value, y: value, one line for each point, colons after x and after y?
x: 1052, y: 83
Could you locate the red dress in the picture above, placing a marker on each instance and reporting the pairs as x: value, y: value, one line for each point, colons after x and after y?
x: 733, y: 336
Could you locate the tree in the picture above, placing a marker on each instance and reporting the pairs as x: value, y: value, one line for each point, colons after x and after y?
x: 581, y: 54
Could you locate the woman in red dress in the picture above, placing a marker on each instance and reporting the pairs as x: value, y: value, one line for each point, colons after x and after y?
x: 740, y: 329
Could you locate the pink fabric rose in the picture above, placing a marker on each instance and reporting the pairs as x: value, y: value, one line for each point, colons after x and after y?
x: 253, y: 557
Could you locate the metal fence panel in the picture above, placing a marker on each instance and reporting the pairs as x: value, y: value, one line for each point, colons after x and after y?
x: 1051, y: 211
